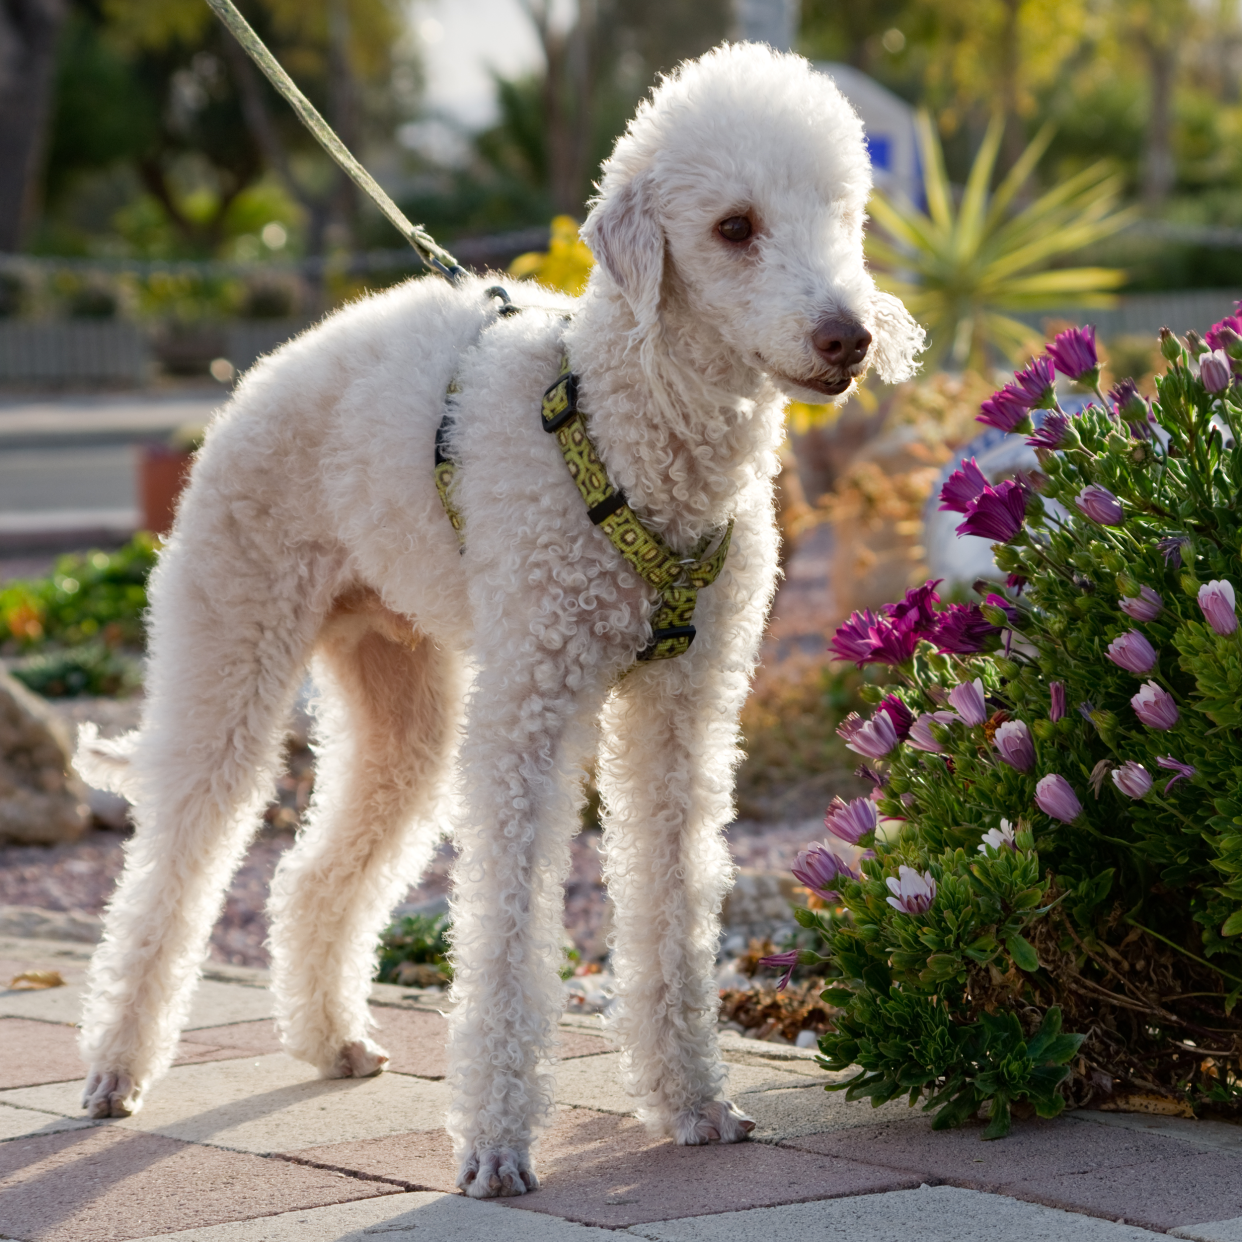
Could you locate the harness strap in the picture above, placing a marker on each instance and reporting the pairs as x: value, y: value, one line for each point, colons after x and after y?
x: 676, y: 579
x: 446, y: 467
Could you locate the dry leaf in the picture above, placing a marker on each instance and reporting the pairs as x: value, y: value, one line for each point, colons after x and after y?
x: 33, y: 980
x: 1155, y: 1105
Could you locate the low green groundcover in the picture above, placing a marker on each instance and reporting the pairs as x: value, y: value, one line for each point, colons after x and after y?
x: 1054, y: 839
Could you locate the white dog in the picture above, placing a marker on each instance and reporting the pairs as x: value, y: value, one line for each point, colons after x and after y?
x: 728, y: 233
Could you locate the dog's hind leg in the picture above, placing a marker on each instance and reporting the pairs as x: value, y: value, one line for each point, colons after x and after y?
x: 230, y: 634
x: 387, y: 725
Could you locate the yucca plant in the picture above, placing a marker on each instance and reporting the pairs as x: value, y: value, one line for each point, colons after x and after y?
x: 964, y: 271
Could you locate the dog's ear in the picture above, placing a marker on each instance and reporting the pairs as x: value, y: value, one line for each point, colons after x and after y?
x: 899, y: 339
x: 623, y: 231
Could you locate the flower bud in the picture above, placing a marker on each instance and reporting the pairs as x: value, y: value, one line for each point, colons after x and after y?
x: 1143, y: 604
x: 1127, y: 584
x: 1132, y: 779
x: 1195, y: 344
x: 1155, y: 707
x: 1055, y: 796
x: 1217, y: 600
x: 1214, y: 371
x: 1170, y: 346
x: 1189, y: 583
x: 1132, y: 652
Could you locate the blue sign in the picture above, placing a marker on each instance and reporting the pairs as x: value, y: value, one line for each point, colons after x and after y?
x: 880, y: 150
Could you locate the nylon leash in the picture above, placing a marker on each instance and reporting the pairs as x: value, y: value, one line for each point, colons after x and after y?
x: 434, y: 256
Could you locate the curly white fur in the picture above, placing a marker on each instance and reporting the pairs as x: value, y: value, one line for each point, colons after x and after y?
x: 312, y: 527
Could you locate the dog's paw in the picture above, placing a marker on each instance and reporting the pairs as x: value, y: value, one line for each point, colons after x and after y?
x: 497, y: 1172
x: 360, y: 1058
x: 111, y: 1093
x: 718, y: 1121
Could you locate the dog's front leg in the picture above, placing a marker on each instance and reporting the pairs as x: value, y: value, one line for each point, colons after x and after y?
x: 527, y: 728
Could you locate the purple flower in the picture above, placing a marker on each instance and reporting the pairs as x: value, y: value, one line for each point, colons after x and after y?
x: 996, y: 513
x: 1005, y: 410
x: 920, y: 734
x: 1012, y: 614
x: 1001, y: 838
x: 852, y: 641
x: 1154, y: 706
x: 851, y: 821
x: 898, y: 713
x: 1035, y: 384
x: 1013, y: 741
x: 916, y: 611
x: 968, y: 701
x: 781, y: 961
x: 1171, y: 548
x: 1215, y: 371
x: 1051, y: 432
x: 864, y: 773
x: 873, y: 738
x: 963, y: 629
x: 1100, y: 505
x: 1145, y: 606
x: 911, y: 893
x: 1085, y: 710
x: 1055, y: 796
x: 1073, y: 352
x: 962, y: 486
x: 819, y: 867
x: 1184, y: 770
x: 1056, y: 701
x: 1129, y: 404
x: 1132, y: 652
x: 1220, y: 334
x: 1216, y: 598
x: 1015, y: 582
x: 1132, y: 779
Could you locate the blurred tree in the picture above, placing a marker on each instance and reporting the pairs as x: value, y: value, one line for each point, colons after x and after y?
x: 28, y: 34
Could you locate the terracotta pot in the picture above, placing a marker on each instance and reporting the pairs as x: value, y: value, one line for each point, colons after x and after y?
x: 162, y: 473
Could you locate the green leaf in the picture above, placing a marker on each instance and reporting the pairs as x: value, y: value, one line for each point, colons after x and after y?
x: 840, y: 997
x: 1022, y: 952
x: 1000, y: 1121
x: 1233, y: 924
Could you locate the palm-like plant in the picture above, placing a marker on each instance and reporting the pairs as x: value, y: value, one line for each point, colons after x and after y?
x: 964, y: 271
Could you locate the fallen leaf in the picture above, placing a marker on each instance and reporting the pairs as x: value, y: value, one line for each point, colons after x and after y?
x: 1155, y: 1105
x: 32, y: 980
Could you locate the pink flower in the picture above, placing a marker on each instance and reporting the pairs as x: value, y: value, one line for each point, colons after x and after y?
x: 1132, y: 779
x: 1073, y: 352
x: 872, y: 739
x: 1154, y: 706
x: 820, y: 866
x: 997, y: 513
x: 1145, y: 606
x: 1130, y: 405
x: 1013, y: 741
x: 1216, y: 338
x: 1216, y: 598
x: 1051, y: 432
x: 1215, y: 371
x: 911, y: 893
x: 962, y: 486
x: 1056, y: 701
x: 781, y: 961
x: 852, y: 641
x: 963, y: 629
x: 1100, y: 505
x: 1132, y: 652
x: 1055, y: 796
x: 968, y: 701
x: 1184, y: 770
x: 897, y: 712
x: 916, y: 611
x: 1005, y: 410
x: 920, y: 735
x: 851, y: 821
x: 999, y: 838
x: 1036, y: 383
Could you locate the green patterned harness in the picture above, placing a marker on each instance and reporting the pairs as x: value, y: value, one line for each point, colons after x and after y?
x: 676, y: 580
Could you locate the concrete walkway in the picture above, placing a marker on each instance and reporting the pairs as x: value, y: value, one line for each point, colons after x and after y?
x: 239, y: 1143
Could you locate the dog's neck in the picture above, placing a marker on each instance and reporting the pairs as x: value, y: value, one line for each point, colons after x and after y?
x: 681, y: 425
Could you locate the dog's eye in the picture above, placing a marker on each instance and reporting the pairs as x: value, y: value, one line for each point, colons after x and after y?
x: 735, y: 228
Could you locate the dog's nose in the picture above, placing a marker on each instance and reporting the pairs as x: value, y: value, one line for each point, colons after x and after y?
x: 841, y: 342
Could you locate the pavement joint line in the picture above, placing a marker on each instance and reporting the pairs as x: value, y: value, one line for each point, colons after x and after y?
x: 361, y: 1176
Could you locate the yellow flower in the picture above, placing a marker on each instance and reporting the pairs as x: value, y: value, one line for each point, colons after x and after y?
x: 565, y: 265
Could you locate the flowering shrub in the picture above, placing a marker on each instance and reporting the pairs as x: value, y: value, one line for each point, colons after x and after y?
x: 1058, y: 775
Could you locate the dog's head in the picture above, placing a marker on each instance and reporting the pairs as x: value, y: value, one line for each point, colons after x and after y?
x: 747, y: 175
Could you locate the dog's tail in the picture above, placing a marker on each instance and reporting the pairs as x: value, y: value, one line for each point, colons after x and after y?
x: 105, y: 764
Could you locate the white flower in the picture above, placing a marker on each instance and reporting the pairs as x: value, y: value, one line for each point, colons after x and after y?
x: 999, y: 838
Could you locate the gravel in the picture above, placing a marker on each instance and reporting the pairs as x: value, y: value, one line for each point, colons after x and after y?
x: 80, y: 877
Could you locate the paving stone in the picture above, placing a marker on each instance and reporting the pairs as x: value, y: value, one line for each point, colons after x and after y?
x: 1205, y: 1135
x: 604, y: 1170
x: 1213, y: 1231
x: 595, y: 1082
x: 104, y: 1184
x: 215, y: 1004
x: 1148, y: 1179
x: 415, y: 1216
x: 812, y: 1110
x: 20, y: 1122
x: 265, y: 1104
x: 931, y: 1214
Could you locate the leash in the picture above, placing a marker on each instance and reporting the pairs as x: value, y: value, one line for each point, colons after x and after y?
x: 434, y: 256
